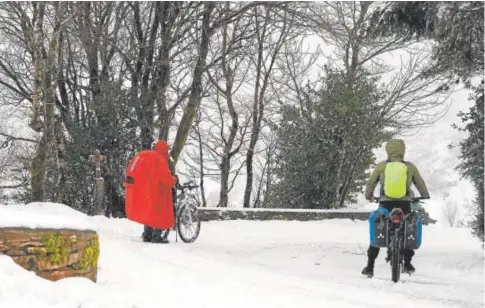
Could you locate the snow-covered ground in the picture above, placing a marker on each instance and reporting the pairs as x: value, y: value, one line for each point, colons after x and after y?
x: 254, y: 264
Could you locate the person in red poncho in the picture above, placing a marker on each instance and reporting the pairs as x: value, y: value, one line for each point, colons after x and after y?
x: 148, y: 189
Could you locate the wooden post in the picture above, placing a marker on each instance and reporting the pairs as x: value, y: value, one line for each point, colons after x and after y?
x: 96, y: 160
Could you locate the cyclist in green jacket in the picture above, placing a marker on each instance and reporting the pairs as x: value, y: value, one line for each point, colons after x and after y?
x: 395, y: 176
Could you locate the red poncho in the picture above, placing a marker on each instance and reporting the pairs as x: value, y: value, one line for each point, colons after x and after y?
x: 148, y: 185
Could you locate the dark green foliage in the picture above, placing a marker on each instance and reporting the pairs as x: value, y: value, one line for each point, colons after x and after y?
x: 117, y: 138
x: 472, y: 149
x: 325, y: 144
x: 455, y: 27
x: 411, y: 19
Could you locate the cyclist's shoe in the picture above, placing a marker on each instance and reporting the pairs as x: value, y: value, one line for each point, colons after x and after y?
x: 159, y: 240
x: 368, y: 271
x: 409, y: 268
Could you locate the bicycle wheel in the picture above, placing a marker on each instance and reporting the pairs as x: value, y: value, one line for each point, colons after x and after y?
x: 395, y: 258
x: 188, y: 223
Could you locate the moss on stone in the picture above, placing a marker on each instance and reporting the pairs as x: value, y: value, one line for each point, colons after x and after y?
x: 56, y: 251
x: 90, y: 255
x: 40, y: 253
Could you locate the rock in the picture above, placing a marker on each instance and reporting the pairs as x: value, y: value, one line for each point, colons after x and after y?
x: 15, y: 236
x: 53, y: 254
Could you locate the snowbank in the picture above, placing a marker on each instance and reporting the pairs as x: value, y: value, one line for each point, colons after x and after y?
x: 253, y: 264
x: 43, y: 215
x: 23, y: 289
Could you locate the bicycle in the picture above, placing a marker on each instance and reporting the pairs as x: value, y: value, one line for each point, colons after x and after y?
x: 396, y: 240
x: 185, y: 212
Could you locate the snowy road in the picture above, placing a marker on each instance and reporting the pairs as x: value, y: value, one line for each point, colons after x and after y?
x: 283, y: 264
x: 258, y: 264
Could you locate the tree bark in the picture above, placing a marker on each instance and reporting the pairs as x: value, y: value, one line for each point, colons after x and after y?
x: 196, y: 88
x: 45, y: 62
x: 38, y: 168
x: 201, y: 163
x: 228, y: 152
x: 61, y: 162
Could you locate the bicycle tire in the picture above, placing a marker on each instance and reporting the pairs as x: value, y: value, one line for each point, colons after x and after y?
x: 195, y: 214
x: 395, y: 258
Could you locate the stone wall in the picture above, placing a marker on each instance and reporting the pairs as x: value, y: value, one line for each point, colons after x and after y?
x: 53, y: 254
x: 208, y: 214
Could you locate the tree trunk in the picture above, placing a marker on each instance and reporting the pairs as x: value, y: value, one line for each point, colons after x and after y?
x: 61, y: 162
x: 225, y: 168
x: 196, y: 88
x: 45, y: 62
x: 257, y: 201
x: 38, y: 170
x: 256, y: 111
x: 170, y: 13
x: 201, y: 163
x: 268, y: 176
x: 227, y: 155
x: 259, y: 94
x: 164, y: 77
x: 249, y: 162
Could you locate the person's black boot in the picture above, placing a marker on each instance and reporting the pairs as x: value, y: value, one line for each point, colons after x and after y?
x: 158, y: 239
x: 409, y: 268
x: 388, y: 256
x: 369, y: 269
x: 146, y: 236
x: 408, y: 256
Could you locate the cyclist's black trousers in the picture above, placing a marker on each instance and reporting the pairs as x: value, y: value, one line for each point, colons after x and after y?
x: 405, y: 206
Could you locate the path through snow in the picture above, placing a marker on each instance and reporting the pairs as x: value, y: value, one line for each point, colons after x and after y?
x: 259, y: 264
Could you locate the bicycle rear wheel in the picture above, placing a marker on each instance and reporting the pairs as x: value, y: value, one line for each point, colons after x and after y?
x: 188, y: 223
x: 395, y: 257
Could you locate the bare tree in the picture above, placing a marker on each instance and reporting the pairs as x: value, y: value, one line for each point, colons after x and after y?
x: 270, y: 38
x: 265, y: 164
x: 233, y: 74
x: 213, y: 18
x: 450, y: 210
x: 41, y: 42
x: 407, y: 100
x: 196, y: 87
